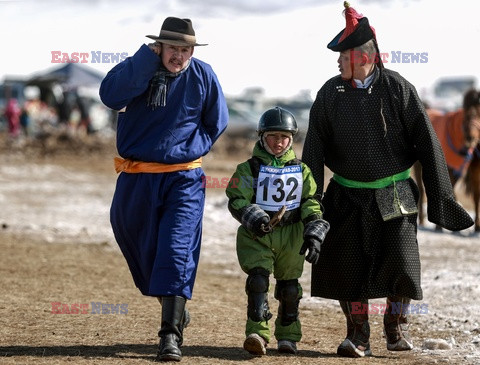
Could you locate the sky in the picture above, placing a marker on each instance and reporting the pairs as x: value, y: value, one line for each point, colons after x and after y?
x: 277, y: 45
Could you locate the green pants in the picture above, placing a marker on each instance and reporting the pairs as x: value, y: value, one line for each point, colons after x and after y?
x: 278, y: 253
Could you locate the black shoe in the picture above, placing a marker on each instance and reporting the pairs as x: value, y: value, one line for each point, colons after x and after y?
x: 168, y: 350
x: 287, y: 347
x: 174, y: 319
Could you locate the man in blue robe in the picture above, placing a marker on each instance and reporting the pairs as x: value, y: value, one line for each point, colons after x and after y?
x: 172, y: 110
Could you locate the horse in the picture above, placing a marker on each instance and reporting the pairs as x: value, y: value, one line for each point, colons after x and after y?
x: 459, y: 135
x: 472, y: 185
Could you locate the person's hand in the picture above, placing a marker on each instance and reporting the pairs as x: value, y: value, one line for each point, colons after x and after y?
x: 313, y: 247
x: 259, y: 225
x: 313, y: 235
x: 156, y: 48
x: 254, y: 219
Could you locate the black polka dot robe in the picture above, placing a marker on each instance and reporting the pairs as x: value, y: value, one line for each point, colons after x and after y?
x: 365, y: 135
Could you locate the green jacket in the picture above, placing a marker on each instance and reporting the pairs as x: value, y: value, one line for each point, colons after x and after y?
x: 240, y: 194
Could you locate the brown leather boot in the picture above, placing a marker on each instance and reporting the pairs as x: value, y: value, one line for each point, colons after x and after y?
x: 396, y: 324
x: 356, y: 344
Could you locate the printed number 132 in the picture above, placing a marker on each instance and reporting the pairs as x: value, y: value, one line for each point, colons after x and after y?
x: 280, y: 192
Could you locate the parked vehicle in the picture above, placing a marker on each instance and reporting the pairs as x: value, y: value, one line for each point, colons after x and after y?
x: 242, y: 122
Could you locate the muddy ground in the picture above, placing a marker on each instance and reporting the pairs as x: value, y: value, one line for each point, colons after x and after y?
x: 56, y: 247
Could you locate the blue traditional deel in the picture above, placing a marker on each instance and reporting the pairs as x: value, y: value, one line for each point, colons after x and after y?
x: 157, y: 217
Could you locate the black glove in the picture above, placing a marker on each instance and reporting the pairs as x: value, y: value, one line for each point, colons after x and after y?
x: 253, y: 217
x: 313, y: 246
x: 313, y: 235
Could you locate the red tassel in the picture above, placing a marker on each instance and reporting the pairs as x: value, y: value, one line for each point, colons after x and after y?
x: 351, y: 17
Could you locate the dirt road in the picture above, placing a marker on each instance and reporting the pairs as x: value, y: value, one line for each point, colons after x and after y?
x: 58, y: 255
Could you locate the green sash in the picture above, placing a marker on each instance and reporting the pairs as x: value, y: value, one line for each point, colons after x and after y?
x: 376, y: 184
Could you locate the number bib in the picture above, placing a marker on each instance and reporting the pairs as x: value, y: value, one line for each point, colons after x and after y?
x: 279, y: 186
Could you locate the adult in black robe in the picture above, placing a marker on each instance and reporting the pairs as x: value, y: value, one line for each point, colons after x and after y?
x: 368, y: 126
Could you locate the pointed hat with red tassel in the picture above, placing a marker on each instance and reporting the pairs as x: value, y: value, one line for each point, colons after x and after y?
x: 357, y: 31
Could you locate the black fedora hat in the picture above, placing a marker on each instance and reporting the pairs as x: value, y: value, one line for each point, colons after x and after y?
x: 178, y: 32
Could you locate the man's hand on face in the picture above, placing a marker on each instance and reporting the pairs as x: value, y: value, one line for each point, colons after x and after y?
x: 156, y: 48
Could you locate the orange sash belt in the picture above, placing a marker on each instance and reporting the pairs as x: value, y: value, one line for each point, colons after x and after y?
x: 130, y: 166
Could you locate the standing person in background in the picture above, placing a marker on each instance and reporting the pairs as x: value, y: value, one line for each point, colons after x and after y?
x: 172, y: 111
x: 84, y: 125
x: 12, y: 113
x: 25, y: 120
x: 368, y: 126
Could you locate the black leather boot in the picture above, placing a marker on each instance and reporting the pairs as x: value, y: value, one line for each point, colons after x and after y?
x: 396, y: 324
x: 174, y: 319
x: 356, y: 344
